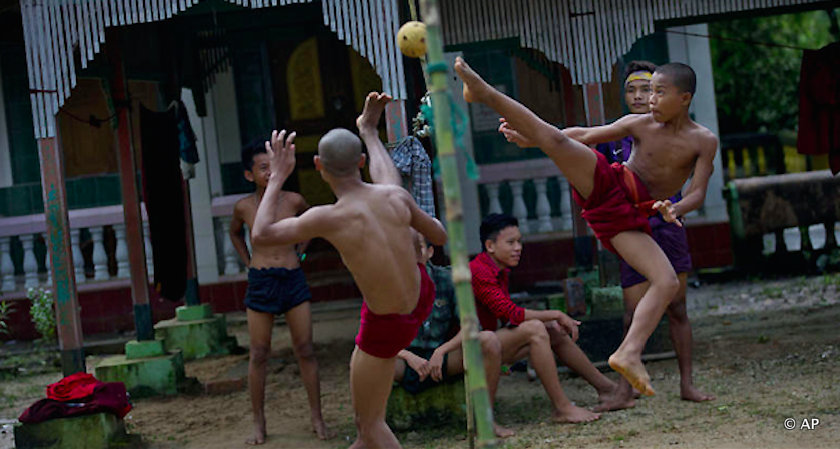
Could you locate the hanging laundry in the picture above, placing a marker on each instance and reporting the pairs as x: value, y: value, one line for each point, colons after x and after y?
x: 819, y: 104
x: 163, y: 194
x: 414, y: 165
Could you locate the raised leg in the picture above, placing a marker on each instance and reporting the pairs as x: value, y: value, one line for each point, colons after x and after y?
x: 370, y: 385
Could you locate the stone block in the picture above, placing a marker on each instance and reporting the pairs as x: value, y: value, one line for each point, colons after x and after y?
x: 152, y: 376
x: 142, y: 349
x: 97, y: 431
x: 441, y: 405
x: 193, y: 313
x: 607, y: 302
x: 198, y: 338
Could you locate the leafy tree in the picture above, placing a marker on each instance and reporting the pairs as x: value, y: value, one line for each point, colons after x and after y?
x: 757, y: 86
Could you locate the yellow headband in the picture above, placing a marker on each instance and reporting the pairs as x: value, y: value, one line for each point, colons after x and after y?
x: 640, y: 75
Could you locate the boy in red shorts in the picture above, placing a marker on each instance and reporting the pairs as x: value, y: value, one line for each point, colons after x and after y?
x: 618, y: 199
x: 371, y: 227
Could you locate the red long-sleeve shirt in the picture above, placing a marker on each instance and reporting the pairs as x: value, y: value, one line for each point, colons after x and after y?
x: 490, y: 285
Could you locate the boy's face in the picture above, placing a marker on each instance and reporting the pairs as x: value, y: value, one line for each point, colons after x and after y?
x: 260, y: 171
x: 637, y: 96
x: 506, y: 249
x: 666, y: 100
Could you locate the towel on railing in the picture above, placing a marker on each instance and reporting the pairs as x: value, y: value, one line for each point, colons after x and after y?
x: 819, y: 104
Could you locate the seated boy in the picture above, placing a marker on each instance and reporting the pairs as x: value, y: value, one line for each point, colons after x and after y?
x: 371, y: 227
x: 617, y: 200
x: 537, y: 334
x: 276, y: 285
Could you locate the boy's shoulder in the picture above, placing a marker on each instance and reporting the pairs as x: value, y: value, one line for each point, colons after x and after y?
x: 246, y: 202
x: 704, y: 135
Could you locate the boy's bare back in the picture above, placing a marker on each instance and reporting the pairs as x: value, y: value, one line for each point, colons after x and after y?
x: 266, y: 255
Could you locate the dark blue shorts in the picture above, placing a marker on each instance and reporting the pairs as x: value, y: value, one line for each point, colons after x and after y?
x: 276, y: 290
x: 674, y: 243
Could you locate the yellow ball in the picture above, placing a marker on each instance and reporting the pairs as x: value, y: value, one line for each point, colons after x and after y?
x: 412, y: 39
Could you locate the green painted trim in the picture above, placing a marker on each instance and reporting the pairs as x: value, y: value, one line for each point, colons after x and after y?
x: 142, y: 349
x: 191, y: 294
x: 143, y: 322
x: 193, y: 312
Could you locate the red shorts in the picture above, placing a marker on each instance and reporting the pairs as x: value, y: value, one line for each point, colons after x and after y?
x: 619, y: 202
x: 384, y: 336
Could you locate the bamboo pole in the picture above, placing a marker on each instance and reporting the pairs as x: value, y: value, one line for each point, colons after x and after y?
x: 479, y: 407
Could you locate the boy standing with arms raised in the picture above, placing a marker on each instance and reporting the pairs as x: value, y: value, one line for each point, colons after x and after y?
x: 618, y: 199
x: 371, y: 227
x: 276, y: 285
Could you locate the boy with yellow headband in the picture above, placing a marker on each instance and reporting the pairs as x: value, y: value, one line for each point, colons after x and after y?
x: 669, y: 236
x: 617, y: 199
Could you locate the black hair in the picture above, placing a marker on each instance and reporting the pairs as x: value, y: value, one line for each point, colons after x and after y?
x: 638, y: 66
x: 493, y: 224
x: 680, y: 75
x: 250, y: 150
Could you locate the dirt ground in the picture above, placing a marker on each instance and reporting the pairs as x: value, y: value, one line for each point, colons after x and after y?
x: 769, y: 350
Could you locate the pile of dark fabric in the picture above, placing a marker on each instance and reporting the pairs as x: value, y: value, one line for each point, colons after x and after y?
x: 76, y: 395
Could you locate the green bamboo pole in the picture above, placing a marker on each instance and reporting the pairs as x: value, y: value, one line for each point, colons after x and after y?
x: 478, y: 399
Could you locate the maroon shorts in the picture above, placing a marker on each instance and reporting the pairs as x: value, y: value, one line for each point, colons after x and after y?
x: 619, y: 202
x: 385, y: 335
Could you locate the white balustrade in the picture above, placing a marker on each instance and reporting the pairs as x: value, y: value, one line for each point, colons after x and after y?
x: 121, y: 252
x: 7, y: 267
x: 231, y: 265
x: 100, y: 257
x: 520, y: 210
x: 543, y: 207
x: 30, y: 265
x: 565, y: 205
x: 147, y: 245
x: 78, y: 258
x: 493, y: 195
x: 47, y: 265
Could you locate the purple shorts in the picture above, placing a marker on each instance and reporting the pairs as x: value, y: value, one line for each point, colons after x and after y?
x: 673, y: 241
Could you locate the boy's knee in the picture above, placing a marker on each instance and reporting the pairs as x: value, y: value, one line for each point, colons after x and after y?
x: 669, y: 282
x: 535, y: 329
x: 304, y: 350
x: 677, y: 312
x: 490, y: 343
x: 260, y: 353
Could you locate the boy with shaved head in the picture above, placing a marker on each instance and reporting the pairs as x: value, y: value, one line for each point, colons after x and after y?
x: 617, y: 199
x: 371, y: 227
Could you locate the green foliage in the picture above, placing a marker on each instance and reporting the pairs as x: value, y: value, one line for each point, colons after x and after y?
x: 756, y: 86
x: 6, y: 310
x: 42, y: 312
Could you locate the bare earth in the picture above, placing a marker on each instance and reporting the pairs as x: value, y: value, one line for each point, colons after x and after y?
x: 769, y: 351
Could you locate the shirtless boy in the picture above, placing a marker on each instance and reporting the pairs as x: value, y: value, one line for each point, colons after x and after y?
x: 371, y: 227
x: 276, y: 285
x: 617, y: 200
x: 669, y: 236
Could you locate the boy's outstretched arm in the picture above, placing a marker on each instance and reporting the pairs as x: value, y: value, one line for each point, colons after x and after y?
x: 310, y: 224
x: 382, y: 169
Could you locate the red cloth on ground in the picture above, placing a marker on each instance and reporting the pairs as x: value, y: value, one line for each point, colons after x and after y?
x: 819, y: 104
x: 106, y: 397
x: 72, y: 387
x: 619, y: 202
x: 490, y: 285
x: 385, y: 335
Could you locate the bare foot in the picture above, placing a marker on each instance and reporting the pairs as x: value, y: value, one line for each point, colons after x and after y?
x: 502, y: 432
x: 259, y: 434
x: 475, y: 88
x: 690, y: 393
x: 358, y: 444
x: 618, y: 399
x: 374, y: 105
x: 574, y: 414
x: 320, y: 428
x: 634, y: 371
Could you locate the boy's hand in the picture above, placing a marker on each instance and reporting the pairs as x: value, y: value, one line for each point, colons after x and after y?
x: 569, y: 324
x: 374, y: 105
x: 420, y: 365
x: 668, y: 211
x: 436, y: 365
x: 281, y: 153
x: 513, y: 135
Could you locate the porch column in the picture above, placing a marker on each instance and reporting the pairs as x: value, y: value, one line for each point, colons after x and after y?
x: 396, y: 121
x: 130, y: 194
x: 60, y: 256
